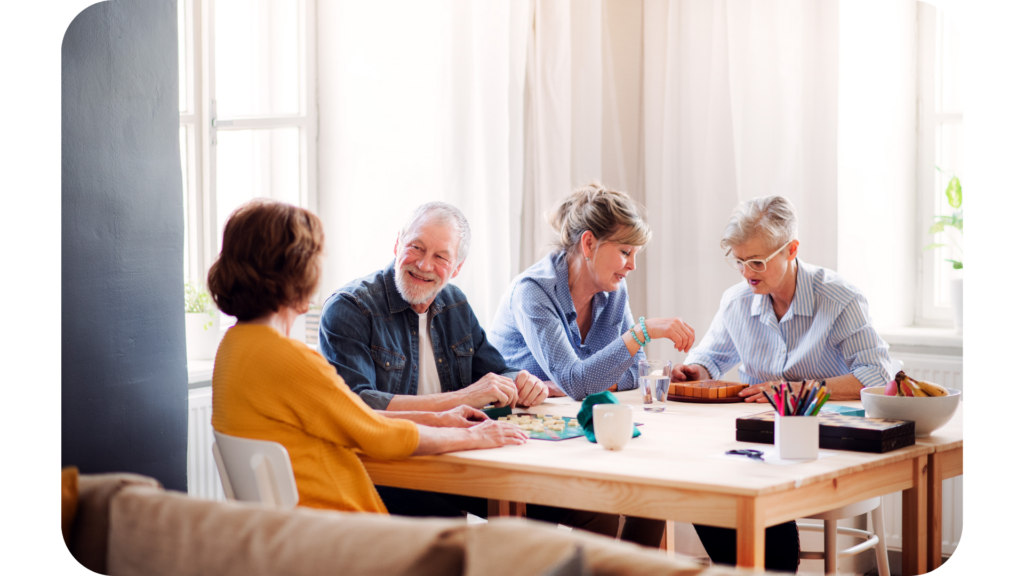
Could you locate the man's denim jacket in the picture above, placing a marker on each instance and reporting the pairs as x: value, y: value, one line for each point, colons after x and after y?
x: 369, y: 333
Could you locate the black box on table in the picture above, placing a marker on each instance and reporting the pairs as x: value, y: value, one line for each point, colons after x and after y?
x: 835, y: 432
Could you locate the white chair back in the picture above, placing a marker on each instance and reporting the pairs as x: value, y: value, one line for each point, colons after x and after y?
x: 255, y: 471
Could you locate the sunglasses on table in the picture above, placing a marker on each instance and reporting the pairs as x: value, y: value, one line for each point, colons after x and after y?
x: 755, y: 454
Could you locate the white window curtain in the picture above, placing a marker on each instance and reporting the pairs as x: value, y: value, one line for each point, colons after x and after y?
x: 740, y: 100
x: 414, y: 105
x: 571, y: 131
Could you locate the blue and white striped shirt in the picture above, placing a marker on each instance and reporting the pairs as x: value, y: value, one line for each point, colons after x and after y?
x: 826, y: 332
x: 535, y: 329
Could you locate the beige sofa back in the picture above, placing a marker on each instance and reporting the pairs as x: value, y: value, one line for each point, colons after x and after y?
x: 157, y: 533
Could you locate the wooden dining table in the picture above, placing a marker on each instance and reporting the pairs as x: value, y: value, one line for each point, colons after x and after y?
x: 677, y: 470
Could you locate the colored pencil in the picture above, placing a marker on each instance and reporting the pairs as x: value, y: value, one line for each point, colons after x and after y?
x: 823, y: 400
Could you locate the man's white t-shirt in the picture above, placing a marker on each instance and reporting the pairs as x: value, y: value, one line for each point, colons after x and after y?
x: 429, y: 381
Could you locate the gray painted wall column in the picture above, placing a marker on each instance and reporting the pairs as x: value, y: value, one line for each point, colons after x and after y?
x: 124, y: 381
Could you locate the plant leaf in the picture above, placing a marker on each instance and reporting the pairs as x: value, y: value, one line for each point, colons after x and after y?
x: 933, y: 246
x: 937, y: 227
x: 954, y: 193
x: 957, y: 264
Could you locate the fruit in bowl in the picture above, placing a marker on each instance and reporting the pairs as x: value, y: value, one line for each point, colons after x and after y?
x: 903, y: 385
x: 928, y: 413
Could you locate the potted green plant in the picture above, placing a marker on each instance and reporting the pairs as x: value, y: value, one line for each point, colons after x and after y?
x: 952, y: 227
x: 201, y: 334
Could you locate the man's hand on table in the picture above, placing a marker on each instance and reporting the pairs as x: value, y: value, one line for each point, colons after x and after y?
x: 462, y: 416
x: 530, y: 389
x: 491, y: 389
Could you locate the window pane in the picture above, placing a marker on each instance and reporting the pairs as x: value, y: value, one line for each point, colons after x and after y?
x: 256, y: 44
x: 949, y: 140
x: 256, y: 164
x: 948, y: 68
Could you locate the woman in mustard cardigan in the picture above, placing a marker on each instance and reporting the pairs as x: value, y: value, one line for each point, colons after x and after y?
x: 267, y: 386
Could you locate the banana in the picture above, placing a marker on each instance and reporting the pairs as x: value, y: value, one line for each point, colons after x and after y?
x: 931, y: 389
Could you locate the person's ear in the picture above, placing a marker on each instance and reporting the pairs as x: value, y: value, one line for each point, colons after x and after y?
x: 457, y: 270
x: 587, y: 242
x: 791, y: 252
x: 397, y: 240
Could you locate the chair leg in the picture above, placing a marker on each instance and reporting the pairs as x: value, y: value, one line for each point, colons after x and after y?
x: 881, y: 552
x: 831, y: 551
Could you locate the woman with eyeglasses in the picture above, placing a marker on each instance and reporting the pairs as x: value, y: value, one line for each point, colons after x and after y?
x: 787, y: 321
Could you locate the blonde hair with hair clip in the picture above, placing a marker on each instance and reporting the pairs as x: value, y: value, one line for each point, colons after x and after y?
x: 608, y: 214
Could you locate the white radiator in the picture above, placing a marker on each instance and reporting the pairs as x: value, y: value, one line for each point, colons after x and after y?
x: 203, y: 479
x: 949, y: 372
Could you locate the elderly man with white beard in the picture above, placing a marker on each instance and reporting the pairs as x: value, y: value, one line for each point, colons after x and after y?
x: 406, y: 340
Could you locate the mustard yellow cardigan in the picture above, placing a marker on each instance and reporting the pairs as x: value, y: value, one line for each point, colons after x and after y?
x: 269, y: 387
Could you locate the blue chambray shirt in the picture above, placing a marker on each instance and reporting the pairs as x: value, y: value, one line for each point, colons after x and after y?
x: 535, y: 329
x: 826, y: 332
x: 368, y: 332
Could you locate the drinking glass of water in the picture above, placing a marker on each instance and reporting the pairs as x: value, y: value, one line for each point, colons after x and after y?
x: 654, y: 379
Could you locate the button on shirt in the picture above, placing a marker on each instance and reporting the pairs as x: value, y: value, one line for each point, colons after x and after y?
x: 826, y: 332
x: 535, y: 328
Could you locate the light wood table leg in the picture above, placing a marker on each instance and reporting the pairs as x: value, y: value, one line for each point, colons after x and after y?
x: 935, y: 510
x: 668, y: 540
x: 497, y: 508
x: 915, y: 521
x: 750, y: 534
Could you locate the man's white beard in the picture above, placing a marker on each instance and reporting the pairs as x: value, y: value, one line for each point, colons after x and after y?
x: 412, y: 294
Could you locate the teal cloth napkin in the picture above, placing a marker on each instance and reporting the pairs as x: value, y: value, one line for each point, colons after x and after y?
x: 586, y: 414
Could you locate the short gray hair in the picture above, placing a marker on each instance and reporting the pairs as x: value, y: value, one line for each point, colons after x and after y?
x: 441, y: 213
x: 772, y: 217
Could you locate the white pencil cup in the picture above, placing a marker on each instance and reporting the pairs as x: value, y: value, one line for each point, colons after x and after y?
x: 796, y: 437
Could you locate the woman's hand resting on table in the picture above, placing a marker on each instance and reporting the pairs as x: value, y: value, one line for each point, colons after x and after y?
x: 755, y: 392
x: 492, y: 434
x: 486, y: 434
x: 460, y: 417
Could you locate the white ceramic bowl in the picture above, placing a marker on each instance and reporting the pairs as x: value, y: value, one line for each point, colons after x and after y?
x: 929, y: 414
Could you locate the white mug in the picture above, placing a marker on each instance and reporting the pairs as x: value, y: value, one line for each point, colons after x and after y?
x: 613, y: 425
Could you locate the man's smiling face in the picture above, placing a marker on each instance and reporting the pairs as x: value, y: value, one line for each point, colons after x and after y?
x: 425, y: 260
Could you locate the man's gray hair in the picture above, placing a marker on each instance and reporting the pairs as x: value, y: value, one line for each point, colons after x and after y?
x: 770, y: 217
x: 441, y: 213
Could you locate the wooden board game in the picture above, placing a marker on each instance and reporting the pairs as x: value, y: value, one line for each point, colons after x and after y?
x: 706, y: 391
x: 835, y: 431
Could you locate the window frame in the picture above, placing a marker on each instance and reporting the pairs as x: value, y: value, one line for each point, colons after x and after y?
x: 929, y: 195
x: 203, y: 124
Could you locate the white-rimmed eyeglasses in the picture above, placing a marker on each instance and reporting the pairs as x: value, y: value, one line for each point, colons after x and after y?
x: 755, y: 264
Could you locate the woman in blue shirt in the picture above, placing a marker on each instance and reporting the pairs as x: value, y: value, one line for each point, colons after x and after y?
x: 566, y: 319
x: 787, y: 321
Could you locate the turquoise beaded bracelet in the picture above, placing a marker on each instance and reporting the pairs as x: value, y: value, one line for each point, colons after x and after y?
x: 639, y: 343
x: 643, y: 326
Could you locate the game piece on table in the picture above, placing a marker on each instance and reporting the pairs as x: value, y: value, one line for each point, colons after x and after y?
x: 707, y: 389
